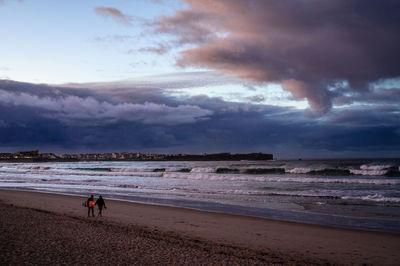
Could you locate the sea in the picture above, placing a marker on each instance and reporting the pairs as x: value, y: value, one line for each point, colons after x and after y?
x: 347, y: 193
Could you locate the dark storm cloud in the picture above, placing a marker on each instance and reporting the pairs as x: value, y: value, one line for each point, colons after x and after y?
x: 71, y: 109
x: 307, y: 46
x: 365, y: 116
x: 63, y: 119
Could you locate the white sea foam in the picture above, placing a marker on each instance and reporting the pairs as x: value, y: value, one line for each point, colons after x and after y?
x: 173, y: 169
x: 131, y: 169
x: 203, y: 170
x: 368, y: 172
x: 372, y: 167
x: 208, y: 174
x: 299, y: 170
x: 230, y: 177
x: 80, y: 173
x: 375, y: 197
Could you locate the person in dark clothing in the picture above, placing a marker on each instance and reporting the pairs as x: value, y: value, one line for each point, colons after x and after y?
x: 90, y: 204
x: 100, y: 204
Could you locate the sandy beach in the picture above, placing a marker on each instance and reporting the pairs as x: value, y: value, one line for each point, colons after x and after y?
x: 42, y: 228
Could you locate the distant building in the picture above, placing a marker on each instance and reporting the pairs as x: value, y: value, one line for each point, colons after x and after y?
x: 48, y: 156
x: 26, y: 154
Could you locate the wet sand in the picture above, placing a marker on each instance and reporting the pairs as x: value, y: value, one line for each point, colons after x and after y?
x: 42, y: 228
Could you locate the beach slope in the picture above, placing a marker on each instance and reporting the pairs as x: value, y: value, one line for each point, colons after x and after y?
x: 45, y: 228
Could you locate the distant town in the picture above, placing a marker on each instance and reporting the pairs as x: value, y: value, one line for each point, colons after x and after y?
x: 35, y: 156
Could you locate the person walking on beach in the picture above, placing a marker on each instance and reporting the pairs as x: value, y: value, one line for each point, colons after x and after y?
x: 100, y: 204
x: 90, y: 205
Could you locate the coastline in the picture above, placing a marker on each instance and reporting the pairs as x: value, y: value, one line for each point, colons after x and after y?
x: 35, y: 156
x: 284, y: 239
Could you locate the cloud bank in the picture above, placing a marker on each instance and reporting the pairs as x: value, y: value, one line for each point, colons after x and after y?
x: 310, y: 47
x: 73, y: 109
x: 112, y: 117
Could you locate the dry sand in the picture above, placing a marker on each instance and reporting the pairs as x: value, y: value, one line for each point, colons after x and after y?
x: 44, y: 228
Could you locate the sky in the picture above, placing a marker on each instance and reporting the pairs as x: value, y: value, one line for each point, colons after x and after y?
x: 299, y: 79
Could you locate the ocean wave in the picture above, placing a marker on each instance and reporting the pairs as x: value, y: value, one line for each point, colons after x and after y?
x: 131, y: 169
x: 375, y: 167
x: 91, y: 180
x: 234, y: 174
x: 89, y: 173
x: 185, y: 170
x: 261, y: 178
x: 281, y: 169
x: 298, y: 170
x: 321, y: 194
x: 342, y: 180
x: 319, y: 171
x: 375, y: 197
x: 330, y: 172
x: 368, y: 172
x: 169, y: 169
x: 158, y: 170
x: 47, y: 180
x: 96, y: 169
x: 203, y: 170
x: 305, y: 194
x: 33, y: 167
x: 264, y: 171
x: 227, y: 170
x: 12, y: 181
x: 122, y: 185
x: 177, y: 169
x: 121, y: 170
x: 377, y: 170
x: 393, y: 171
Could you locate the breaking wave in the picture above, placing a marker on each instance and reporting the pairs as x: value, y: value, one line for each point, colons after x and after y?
x: 33, y: 167
x: 375, y: 198
x: 284, y: 169
x: 261, y: 178
x: 363, y: 170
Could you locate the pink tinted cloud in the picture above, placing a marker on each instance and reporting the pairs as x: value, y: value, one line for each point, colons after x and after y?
x: 307, y: 46
x: 115, y: 14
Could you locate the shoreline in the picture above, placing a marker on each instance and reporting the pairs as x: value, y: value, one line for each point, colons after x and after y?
x: 314, y: 242
x: 290, y: 216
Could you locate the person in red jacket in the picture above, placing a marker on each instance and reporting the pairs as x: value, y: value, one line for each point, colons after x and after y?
x: 90, y: 205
